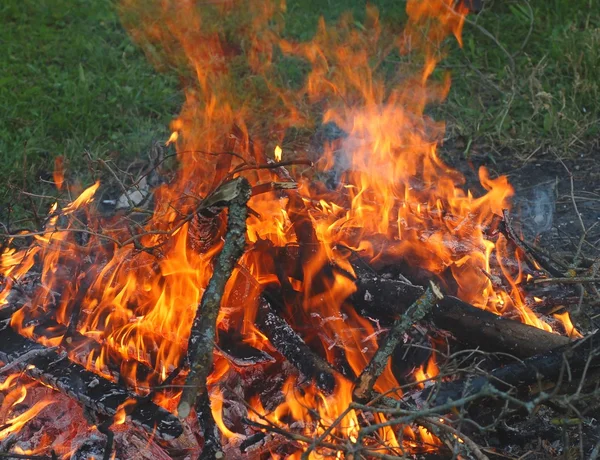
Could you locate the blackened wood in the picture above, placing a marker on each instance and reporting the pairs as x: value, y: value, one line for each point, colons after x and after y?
x: 17, y: 298
x: 383, y: 297
x: 291, y: 346
x: 583, y: 354
x: 416, y: 312
x: 235, y: 195
x: 93, y: 391
x: 212, y: 449
x: 251, y: 440
x: 481, y: 328
x: 80, y: 347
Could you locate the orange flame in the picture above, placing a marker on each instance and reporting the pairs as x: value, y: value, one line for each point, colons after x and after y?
x: 59, y: 172
x: 567, y: 324
x: 15, y: 396
x: 277, y: 153
x: 137, y: 285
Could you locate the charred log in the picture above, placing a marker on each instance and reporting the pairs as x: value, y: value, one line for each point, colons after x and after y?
x: 93, y: 391
x: 383, y: 297
x: 481, y: 328
x: 291, y: 346
x: 80, y: 346
x: 212, y: 449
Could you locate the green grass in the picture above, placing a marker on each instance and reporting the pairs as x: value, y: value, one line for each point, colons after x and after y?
x: 72, y: 81
x: 528, y: 76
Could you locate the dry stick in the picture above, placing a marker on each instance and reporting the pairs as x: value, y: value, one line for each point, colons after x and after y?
x: 473, y: 447
x: 579, y: 355
x: 574, y: 280
x: 416, y: 312
x: 202, y: 336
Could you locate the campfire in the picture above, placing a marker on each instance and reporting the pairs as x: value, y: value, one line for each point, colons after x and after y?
x: 346, y: 296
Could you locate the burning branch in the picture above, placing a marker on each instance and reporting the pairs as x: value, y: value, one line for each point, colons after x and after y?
x: 416, y: 312
x: 55, y: 369
x: 201, y: 343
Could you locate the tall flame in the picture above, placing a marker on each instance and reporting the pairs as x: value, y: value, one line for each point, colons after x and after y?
x: 134, y: 287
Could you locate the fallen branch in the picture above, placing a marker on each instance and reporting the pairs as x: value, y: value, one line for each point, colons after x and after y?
x: 201, y: 343
x: 416, y: 312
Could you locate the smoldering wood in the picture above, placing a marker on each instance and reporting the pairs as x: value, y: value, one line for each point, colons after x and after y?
x: 570, y: 360
x: 483, y: 329
x: 291, y: 346
x: 83, y: 346
x: 385, y: 297
x: 55, y: 369
x: 235, y: 195
x: 416, y: 312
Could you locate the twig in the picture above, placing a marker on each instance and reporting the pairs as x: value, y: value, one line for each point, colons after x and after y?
x: 473, y: 447
x: 272, y: 186
x: 416, y: 312
x: 202, y: 335
x: 574, y: 280
x: 251, y: 167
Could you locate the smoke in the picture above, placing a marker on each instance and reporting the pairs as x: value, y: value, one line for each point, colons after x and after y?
x: 534, y: 208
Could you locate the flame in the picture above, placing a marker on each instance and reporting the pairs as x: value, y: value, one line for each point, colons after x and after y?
x: 277, y: 153
x: 59, y: 172
x: 565, y: 319
x: 133, y: 287
x: 172, y: 138
x: 216, y: 406
x: 121, y: 415
x: 16, y: 395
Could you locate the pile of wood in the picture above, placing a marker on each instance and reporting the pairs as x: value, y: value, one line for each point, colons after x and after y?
x: 509, y: 368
